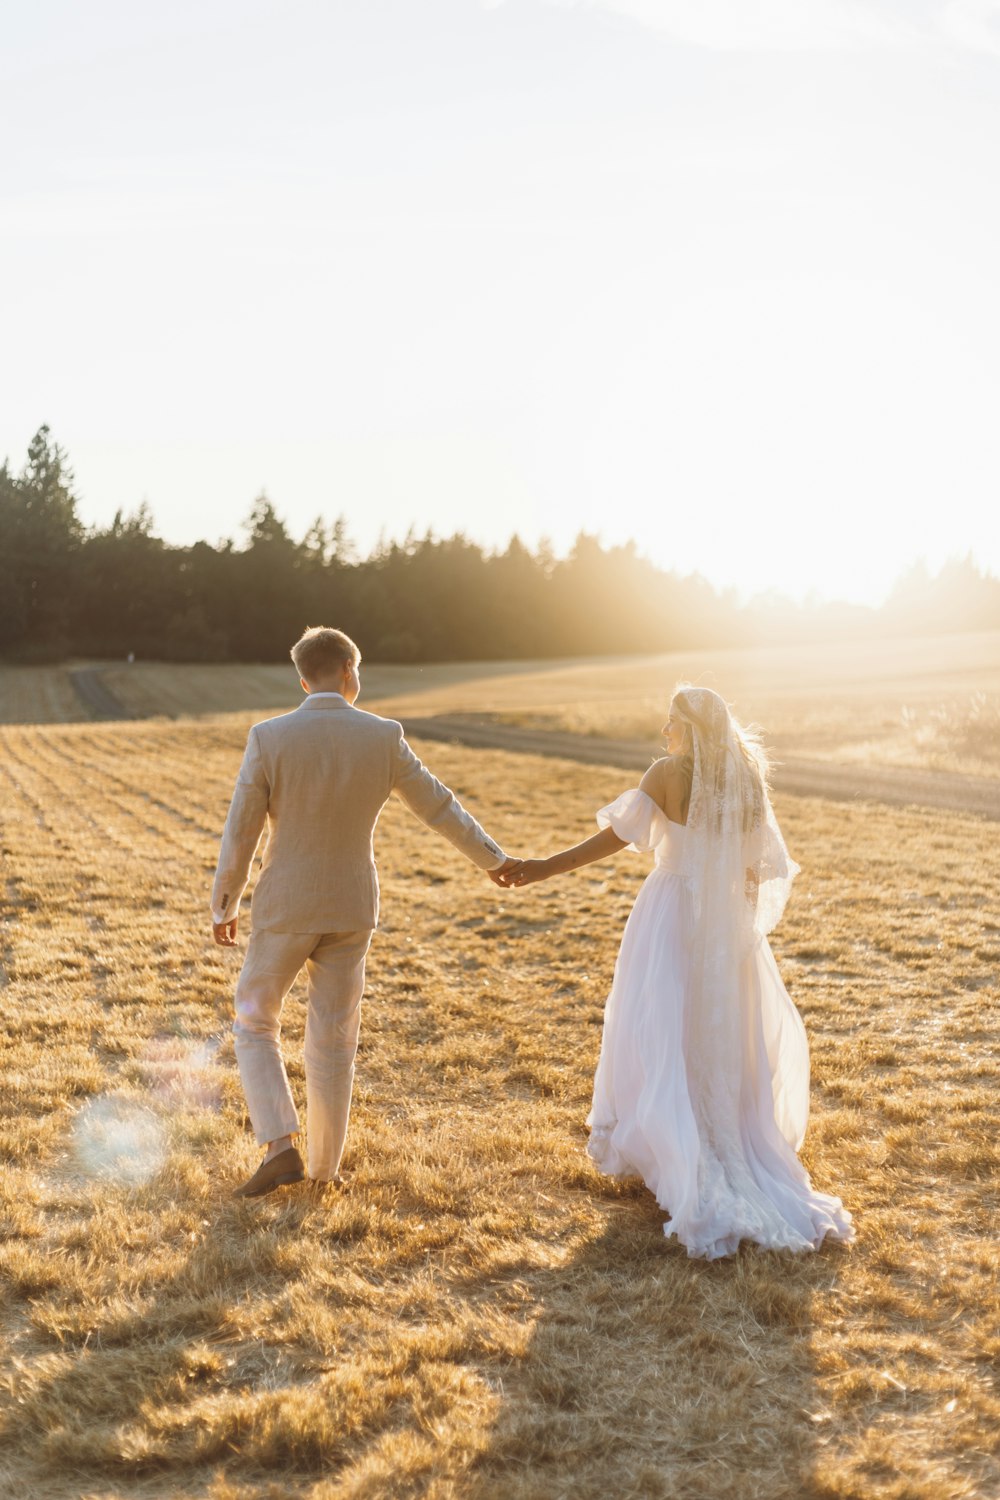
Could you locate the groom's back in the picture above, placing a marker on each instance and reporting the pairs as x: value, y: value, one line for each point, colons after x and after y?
x: 328, y: 768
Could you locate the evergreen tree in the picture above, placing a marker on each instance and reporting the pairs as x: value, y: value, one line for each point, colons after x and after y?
x: 267, y: 609
x: 127, y: 587
x: 41, y: 539
x: 110, y: 591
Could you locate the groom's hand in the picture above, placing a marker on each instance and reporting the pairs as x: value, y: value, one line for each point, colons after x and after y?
x: 498, y: 875
x: 225, y: 932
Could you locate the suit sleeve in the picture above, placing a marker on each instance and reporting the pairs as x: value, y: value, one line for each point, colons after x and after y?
x: 441, y: 810
x: 241, y: 835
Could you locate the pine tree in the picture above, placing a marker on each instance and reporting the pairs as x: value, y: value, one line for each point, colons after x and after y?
x: 42, y: 535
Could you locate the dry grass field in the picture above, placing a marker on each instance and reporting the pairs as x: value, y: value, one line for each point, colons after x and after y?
x: 931, y: 704
x: 482, y: 1317
x: 149, y: 690
x: 37, y: 695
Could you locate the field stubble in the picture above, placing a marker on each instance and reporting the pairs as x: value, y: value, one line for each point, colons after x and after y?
x: 483, y: 1315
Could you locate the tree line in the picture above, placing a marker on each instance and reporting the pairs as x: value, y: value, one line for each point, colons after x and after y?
x: 70, y: 590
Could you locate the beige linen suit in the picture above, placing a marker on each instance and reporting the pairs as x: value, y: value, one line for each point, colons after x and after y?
x: 318, y: 777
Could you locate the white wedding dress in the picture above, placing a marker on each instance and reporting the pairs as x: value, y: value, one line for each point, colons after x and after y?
x: 721, y: 1162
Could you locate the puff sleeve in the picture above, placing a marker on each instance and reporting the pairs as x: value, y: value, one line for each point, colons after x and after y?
x: 635, y: 817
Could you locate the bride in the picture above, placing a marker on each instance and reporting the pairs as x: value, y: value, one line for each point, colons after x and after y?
x: 702, y: 1087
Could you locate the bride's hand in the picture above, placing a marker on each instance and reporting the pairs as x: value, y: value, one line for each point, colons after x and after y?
x: 528, y: 872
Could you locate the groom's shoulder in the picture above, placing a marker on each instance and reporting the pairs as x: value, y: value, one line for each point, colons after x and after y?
x: 375, y: 723
x: 299, y: 725
x: 276, y: 723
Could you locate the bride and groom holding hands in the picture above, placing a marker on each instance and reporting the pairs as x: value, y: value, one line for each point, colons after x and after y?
x: 702, y: 1084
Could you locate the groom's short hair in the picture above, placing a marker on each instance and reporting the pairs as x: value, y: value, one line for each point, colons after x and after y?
x: 322, y: 650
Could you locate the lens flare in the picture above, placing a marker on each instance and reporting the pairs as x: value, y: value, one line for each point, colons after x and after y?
x: 115, y: 1138
x: 181, y: 1074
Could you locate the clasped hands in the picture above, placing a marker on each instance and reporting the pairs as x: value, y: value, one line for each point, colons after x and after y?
x: 514, y: 873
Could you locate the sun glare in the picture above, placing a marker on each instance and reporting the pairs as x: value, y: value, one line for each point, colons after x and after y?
x: 738, y: 304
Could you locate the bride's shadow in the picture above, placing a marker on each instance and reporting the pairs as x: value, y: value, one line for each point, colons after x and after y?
x: 652, y: 1375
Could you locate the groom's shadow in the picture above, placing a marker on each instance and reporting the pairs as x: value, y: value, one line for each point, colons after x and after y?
x: 652, y: 1375
x: 111, y: 1408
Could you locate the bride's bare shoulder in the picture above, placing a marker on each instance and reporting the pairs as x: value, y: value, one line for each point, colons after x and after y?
x: 661, y: 775
x: 666, y: 782
x: 667, y: 768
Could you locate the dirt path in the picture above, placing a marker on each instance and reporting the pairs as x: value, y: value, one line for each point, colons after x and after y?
x: 897, y: 786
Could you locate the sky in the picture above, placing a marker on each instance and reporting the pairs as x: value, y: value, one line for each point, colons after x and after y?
x: 718, y: 276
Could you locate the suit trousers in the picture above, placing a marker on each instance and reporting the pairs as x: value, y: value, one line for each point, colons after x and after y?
x: 335, y: 971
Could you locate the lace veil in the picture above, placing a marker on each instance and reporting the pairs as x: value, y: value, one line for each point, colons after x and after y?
x: 737, y: 870
x: 733, y: 844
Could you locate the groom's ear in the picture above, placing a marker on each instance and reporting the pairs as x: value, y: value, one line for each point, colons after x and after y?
x: 305, y: 686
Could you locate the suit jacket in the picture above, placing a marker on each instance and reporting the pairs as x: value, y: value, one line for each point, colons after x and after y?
x: 319, y: 777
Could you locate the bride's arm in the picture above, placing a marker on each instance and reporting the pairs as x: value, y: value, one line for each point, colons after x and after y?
x: 598, y: 846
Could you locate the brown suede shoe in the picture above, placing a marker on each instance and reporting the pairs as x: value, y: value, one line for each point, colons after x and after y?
x: 282, y: 1169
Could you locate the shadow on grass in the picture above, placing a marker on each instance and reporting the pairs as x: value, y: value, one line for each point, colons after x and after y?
x: 651, y: 1375
x: 646, y: 1374
x: 120, y: 1403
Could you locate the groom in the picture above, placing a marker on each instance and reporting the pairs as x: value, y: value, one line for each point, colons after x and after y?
x: 318, y: 777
